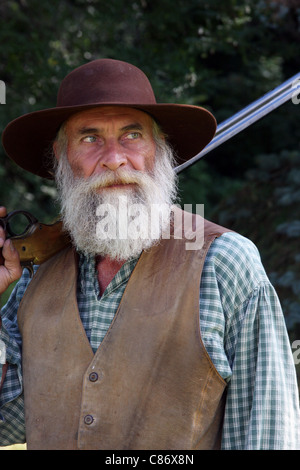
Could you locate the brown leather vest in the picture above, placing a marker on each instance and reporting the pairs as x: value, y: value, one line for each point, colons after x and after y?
x: 151, y: 383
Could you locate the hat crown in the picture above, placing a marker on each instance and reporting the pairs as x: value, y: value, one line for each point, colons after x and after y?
x: 105, y: 81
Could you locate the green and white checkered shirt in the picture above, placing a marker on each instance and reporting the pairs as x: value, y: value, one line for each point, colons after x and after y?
x: 243, y: 330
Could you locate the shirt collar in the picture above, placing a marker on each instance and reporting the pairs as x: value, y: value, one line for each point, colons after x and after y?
x: 87, y: 274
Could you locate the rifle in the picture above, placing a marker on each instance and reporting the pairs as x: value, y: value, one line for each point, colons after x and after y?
x: 34, y: 241
x: 37, y: 242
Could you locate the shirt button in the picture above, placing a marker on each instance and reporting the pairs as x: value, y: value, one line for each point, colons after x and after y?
x: 93, y: 376
x: 88, y: 419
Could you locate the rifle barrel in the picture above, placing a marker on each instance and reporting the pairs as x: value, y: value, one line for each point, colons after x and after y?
x: 249, y: 115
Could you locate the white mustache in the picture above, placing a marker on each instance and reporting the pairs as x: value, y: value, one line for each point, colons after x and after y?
x: 118, y: 177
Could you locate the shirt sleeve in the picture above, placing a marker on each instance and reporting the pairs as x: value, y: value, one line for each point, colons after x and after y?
x: 249, y: 345
x: 12, y: 423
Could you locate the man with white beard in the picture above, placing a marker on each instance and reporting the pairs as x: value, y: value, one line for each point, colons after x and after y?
x: 81, y: 201
x: 134, y: 341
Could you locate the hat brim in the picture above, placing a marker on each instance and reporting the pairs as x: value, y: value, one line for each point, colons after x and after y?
x: 28, y: 139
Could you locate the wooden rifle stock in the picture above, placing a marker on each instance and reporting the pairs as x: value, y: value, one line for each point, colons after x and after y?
x: 40, y: 242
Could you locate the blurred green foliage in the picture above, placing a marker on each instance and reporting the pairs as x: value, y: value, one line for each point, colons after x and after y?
x: 221, y: 55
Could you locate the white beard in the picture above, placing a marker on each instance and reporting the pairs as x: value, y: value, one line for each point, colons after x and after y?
x: 115, y: 222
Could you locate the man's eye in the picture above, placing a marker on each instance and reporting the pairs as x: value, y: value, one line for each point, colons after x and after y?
x: 89, y: 139
x: 133, y: 135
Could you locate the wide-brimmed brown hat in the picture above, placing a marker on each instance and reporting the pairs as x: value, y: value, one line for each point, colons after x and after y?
x: 105, y: 82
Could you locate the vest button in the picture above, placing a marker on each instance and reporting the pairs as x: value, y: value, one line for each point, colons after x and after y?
x: 88, y: 419
x: 93, y: 376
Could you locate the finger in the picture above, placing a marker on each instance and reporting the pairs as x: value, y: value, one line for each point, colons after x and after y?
x: 2, y: 236
x: 9, y: 251
x: 2, y: 231
x: 3, y: 211
x: 11, y: 260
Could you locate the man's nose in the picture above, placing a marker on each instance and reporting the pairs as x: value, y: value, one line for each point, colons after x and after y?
x: 113, y: 156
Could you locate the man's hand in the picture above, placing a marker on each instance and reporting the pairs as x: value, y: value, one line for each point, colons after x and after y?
x: 10, y: 269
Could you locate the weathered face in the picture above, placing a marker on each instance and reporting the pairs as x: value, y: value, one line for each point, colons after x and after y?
x: 110, y: 138
x: 113, y: 168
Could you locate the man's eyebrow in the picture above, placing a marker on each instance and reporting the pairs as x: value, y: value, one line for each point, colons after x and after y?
x: 135, y: 126
x: 94, y: 130
x: 88, y: 130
